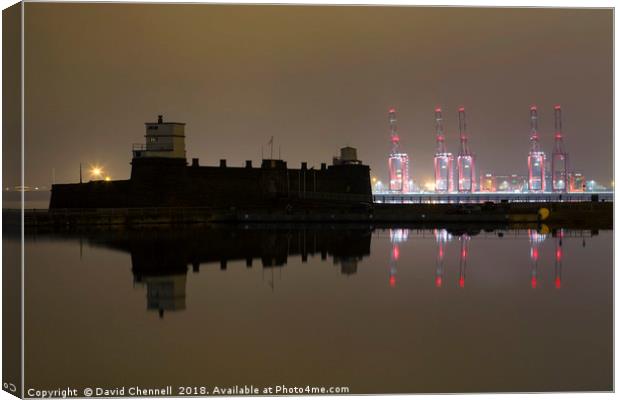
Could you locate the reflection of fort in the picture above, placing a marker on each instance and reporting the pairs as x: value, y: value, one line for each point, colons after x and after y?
x: 164, y: 292
x: 160, y: 259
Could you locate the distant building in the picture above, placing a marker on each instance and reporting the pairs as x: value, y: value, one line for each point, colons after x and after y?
x: 487, y: 183
x: 503, y: 183
x: 577, y: 182
x: 512, y: 183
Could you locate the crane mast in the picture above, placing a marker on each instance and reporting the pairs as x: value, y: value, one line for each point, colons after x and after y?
x: 465, y: 162
x: 536, y: 157
x: 534, y: 139
x: 444, y: 181
x: 463, y: 133
x: 398, y: 162
x: 559, y: 157
x: 439, y: 131
x: 395, y: 139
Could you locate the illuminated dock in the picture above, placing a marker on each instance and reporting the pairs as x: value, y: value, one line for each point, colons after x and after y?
x: 495, y: 197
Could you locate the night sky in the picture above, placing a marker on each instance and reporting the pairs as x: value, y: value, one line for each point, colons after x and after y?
x: 317, y: 78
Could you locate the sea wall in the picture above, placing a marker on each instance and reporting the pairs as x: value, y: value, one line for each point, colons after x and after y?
x: 567, y: 215
x: 97, y: 194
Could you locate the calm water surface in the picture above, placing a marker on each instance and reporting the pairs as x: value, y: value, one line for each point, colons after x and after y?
x: 379, y: 311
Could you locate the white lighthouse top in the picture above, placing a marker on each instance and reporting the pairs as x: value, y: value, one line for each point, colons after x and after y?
x: 163, y: 139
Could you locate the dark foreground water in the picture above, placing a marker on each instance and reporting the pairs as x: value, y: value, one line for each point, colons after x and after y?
x: 381, y: 311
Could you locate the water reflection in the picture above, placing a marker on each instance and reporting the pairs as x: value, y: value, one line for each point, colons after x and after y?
x: 364, y: 306
x: 536, y: 240
x: 397, y: 236
x: 160, y: 259
x: 558, y: 258
x: 442, y: 237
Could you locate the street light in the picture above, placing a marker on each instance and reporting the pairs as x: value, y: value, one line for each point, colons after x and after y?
x: 96, y: 172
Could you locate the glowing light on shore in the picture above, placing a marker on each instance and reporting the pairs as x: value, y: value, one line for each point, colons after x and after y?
x: 96, y: 172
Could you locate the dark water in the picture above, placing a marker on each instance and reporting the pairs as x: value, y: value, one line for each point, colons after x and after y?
x: 379, y: 311
x: 38, y: 199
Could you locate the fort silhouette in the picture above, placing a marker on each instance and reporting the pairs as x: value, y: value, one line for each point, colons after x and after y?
x: 161, y: 177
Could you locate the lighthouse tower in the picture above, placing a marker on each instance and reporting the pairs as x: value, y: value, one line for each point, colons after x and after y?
x: 163, y: 140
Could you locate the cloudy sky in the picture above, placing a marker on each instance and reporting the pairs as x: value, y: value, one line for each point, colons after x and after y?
x: 316, y: 78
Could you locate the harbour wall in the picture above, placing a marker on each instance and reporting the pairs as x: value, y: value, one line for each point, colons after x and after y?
x: 585, y: 214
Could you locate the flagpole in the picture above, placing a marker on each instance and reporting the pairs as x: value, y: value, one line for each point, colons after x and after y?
x: 271, y: 143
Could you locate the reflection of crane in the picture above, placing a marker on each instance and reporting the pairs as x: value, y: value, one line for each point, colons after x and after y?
x: 463, y: 256
x: 441, y: 237
x: 536, y: 240
x: 396, y: 236
x: 559, y: 254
